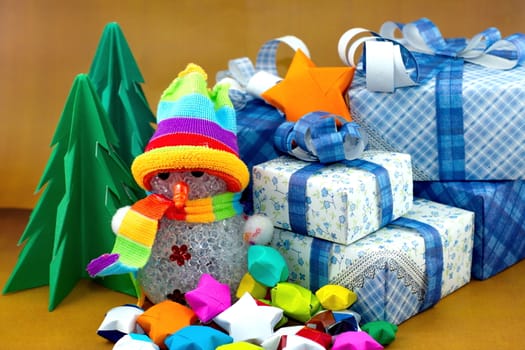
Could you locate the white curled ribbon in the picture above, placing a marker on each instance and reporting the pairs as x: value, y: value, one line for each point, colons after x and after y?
x: 248, y: 81
x: 389, y: 63
x: 385, y: 67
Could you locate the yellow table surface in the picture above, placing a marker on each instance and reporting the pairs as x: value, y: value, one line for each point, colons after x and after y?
x: 483, y: 315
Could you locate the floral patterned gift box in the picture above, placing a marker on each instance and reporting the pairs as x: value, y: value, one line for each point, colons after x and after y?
x: 396, y: 271
x: 341, y: 202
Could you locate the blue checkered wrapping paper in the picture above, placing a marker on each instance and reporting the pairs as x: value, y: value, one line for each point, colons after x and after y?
x: 493, y: 123
x: 387, y: 268
x: 499, y: 207
x: 256, y: 125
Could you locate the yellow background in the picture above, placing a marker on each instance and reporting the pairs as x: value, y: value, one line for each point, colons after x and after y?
x: 45, y: 44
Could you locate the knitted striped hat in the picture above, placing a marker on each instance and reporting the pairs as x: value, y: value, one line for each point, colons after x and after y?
x: 196, y: 131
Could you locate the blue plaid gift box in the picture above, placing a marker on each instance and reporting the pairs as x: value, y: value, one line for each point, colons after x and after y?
x: 463, y: 121
x: 339, y: 202
x: 397, y: 271
x: 493, y: 122
x: 257, y: 121
x: 256, y: 125
x: 499, y: 230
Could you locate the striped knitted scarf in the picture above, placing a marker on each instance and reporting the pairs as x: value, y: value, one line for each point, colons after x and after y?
x: 139, y: 226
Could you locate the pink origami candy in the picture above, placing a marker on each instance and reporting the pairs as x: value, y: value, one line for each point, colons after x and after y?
x: 209, y: 299
x: 355, y: 341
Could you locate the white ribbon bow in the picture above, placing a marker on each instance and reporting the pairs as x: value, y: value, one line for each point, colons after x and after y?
x: 386, y: 68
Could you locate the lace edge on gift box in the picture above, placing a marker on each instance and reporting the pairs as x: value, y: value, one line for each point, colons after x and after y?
x: 353, y: 277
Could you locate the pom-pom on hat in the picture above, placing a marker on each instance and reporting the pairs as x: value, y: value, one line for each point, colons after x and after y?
x: 196, y: 131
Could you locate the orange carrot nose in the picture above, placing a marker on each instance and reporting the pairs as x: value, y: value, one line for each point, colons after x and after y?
x: 180, y: 194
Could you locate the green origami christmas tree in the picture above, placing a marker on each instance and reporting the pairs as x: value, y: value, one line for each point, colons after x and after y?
x: 105, y: 124
x: 117, y: 80
x: 84, y: 183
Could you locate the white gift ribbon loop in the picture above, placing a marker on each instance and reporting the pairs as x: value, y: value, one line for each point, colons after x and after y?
x: 248, y: 81
x: 385, y: 66
x: 487, y: 49
x: 347, y: 54
x: 265, y: 60
x: 483, y: 48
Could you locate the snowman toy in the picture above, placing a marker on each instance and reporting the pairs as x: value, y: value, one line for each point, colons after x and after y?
x: 191, y: 222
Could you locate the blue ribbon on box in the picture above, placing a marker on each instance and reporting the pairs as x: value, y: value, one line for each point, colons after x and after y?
x: 499, y: 227
x: 319, y: 263
x: 423, y: 53
x: 433, y: 258
x: 320, y: 260
x: 316, y: 138
x: 297, y: 200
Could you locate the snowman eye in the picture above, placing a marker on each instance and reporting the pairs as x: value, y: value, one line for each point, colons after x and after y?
x: 163, y: 176
x: 197, y: 173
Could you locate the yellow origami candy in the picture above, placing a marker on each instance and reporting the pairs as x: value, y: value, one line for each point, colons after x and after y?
x: 241, y: 345
x: 250, y: 285
x: 334, y: 297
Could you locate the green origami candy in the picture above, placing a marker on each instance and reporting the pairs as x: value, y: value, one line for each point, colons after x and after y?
x: 382, y: 331
x: 296, y: 301
x: 266, y: 265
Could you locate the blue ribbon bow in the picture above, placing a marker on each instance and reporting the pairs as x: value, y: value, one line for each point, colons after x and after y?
x: 415, y: 57
x: 316, y: 137
x: 424, y: 48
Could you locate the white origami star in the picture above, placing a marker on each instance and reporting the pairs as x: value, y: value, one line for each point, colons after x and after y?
x: 291, y: 341
x: 245, y: 320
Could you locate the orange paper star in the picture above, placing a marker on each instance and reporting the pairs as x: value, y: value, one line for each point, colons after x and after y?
x: 307, y: 88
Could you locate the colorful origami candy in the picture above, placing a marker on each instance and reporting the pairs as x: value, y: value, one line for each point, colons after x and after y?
x: 120, y: 321
x: 246, y: 320
x: 296, y: 301
x: 266, y: 265
x: 335, y: 297
x: 197, y: 338
x: 134, y: 341
x: 209, y: 299
x: 165, y: 318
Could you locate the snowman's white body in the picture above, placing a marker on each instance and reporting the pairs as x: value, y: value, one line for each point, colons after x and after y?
x: 183, y: 251
x: 216, y: 248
